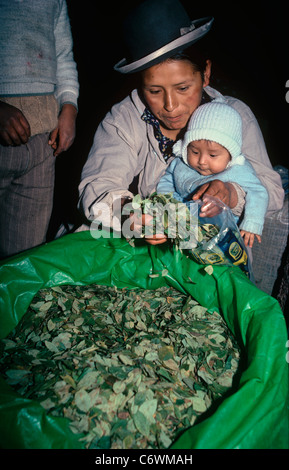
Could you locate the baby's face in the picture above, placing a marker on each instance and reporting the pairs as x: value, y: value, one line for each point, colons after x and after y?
x: 207, y: 157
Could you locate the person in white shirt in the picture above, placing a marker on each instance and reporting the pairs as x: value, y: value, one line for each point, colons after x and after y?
x: 132, y: 146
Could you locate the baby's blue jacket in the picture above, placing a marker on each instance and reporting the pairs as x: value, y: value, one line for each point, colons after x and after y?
x: 181, y: 180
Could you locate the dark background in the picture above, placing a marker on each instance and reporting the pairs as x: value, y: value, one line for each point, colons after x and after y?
x: 249, y: 50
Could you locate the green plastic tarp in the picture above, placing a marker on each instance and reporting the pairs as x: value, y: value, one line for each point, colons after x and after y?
x: 253, y: 416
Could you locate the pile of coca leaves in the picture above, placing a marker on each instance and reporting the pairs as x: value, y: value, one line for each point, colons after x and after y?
x: 130, y: 369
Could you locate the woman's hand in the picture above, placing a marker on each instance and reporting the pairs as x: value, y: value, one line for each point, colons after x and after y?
x: 137, y: 224
x: 157, y: 239
x: 216, y: 188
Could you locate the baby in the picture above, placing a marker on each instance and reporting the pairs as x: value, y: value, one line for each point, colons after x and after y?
x: 211, y: 149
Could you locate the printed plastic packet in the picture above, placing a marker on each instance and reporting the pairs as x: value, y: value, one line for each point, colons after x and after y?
x: 226, y: 246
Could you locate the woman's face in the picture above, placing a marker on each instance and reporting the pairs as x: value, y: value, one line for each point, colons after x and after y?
x: 172, y: 91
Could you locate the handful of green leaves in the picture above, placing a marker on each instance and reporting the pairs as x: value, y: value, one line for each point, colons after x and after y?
x: 171, y: 218
x: 206, y: 243
x: 129, y: 368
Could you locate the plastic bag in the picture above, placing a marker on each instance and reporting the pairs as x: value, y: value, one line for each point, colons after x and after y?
x: 210, y: 240
x: 253, y: 416
x: 226, y: 246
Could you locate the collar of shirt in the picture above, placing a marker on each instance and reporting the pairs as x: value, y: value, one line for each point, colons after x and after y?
x: 165, y: 144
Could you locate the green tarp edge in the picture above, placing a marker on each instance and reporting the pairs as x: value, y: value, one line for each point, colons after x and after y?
x: 253, y: 416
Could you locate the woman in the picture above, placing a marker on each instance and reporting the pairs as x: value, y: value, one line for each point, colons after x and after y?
x: 135, y: 139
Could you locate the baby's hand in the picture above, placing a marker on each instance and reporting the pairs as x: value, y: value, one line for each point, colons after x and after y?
x: 249, y: 238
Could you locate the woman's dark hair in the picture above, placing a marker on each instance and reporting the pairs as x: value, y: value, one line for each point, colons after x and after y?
x: 195, y: 55
x: 198, y: 62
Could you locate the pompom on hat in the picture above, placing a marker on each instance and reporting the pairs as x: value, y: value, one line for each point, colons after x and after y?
x: 218, y: 122
x: 156, y: 30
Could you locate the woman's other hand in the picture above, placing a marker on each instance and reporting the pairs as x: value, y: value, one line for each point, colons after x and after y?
x: 218, y: 189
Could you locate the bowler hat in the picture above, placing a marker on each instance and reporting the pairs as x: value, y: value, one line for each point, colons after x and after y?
x: 157, y: 29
